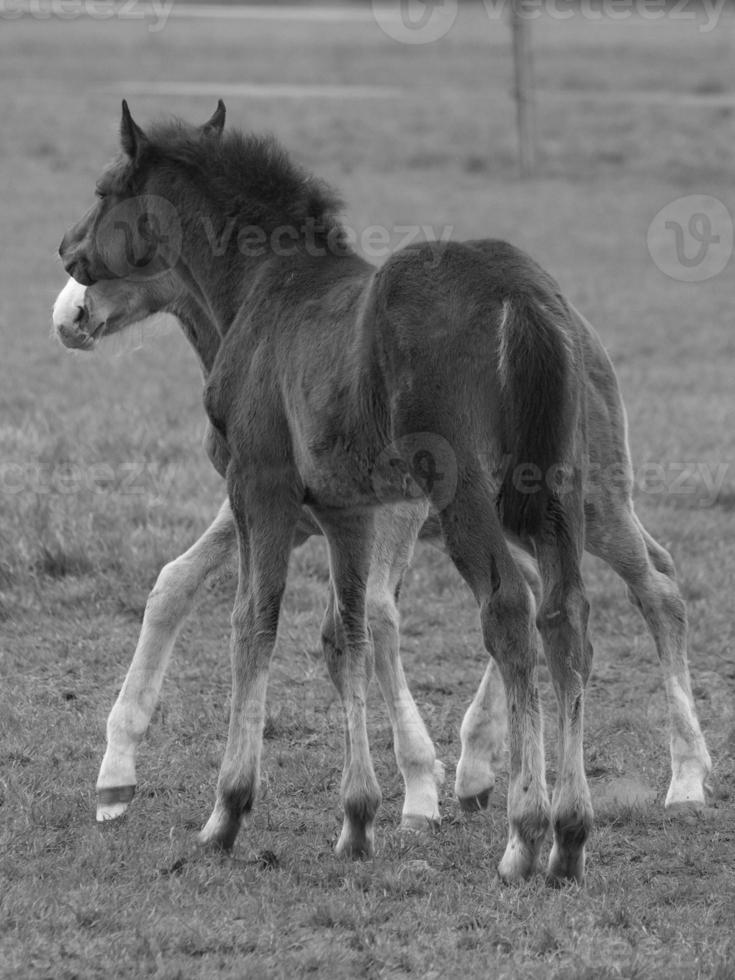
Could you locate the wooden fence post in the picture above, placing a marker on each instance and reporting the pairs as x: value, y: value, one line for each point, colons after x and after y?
x: 523, y: 73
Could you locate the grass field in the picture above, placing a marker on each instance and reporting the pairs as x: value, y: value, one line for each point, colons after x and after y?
x: 102, y: 479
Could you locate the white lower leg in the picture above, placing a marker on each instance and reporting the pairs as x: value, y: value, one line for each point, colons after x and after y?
x: 483, y: 741
x: 415, y: 754
x: 690, y: 760
x: 662, y: 606
x: 129, y: 719
x: 421, y: 770
x: 168, y: 605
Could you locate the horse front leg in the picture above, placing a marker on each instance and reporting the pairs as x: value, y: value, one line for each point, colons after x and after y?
x: 170, y: 601
x: 266, y: 518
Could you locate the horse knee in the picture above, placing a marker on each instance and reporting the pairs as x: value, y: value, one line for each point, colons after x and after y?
x: 172, y: 594
x: 507, y: 615
x: 658, y: 597
x: 662, y: 561
x: 382, y: 618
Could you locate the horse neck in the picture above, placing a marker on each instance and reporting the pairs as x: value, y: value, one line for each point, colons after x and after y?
x: 199, y: 330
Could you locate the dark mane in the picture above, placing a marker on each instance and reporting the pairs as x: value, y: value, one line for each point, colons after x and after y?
x: 249, y: 176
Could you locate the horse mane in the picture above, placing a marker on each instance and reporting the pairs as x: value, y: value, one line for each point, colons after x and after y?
x: 249, y: 176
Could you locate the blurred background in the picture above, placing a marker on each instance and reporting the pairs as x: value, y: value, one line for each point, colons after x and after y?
x: 410, y: 111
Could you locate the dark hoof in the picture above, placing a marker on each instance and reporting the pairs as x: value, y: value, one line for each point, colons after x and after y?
x: 565, y: 867
x: 417, y: 823
x: 113, y: 801
x: 471, y: 804
x: 356, y: 843
x: 219, y: 832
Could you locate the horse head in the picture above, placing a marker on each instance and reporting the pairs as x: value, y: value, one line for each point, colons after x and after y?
x: 131, y: 231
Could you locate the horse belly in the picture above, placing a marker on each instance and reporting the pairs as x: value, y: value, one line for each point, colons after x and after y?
x: 393, y: 473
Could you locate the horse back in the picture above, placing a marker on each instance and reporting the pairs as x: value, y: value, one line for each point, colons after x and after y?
x: 477, y: 345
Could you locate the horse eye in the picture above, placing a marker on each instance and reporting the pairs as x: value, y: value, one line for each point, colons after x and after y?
x: 98, y: 192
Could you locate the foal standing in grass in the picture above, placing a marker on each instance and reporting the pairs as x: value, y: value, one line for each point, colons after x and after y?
x: 324, y: 363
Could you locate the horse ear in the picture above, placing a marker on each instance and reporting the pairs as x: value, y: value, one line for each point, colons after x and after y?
x: 132, y: 136
x: 215, y: 125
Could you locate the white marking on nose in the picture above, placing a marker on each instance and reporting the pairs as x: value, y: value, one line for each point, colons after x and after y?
x: 69, y: 304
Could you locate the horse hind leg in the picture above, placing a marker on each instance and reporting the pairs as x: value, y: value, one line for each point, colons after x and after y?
x: 482, y: 736
x: 477, y: 546
x: 350, y: 662
x: 484, y: 726
x: 647, y: 569
x: 563, y: 621
x: 395, y: 533
x: 171, y: 599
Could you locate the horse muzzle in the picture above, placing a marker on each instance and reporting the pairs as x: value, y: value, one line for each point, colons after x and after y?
x: 70, y: 318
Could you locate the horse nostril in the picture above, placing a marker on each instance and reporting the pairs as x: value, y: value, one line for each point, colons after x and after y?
x: 78, y: 269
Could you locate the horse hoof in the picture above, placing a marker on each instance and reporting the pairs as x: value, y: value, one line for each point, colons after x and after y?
x: 355, y: 845
x: 565, y: 867
x: 479, y: 801
x: 419, y: 824
x: 219, y: 832
x: 685, y: 802
x: 518, y: 862
x: 216, y: 842
x: 113, y: 801
x: 686, y: 813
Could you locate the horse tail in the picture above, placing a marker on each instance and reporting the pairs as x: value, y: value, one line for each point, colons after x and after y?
x: 539, y: 407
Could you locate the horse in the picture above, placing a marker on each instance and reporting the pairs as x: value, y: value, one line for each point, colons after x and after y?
x: 83, y: 316
x: 328, y: 373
